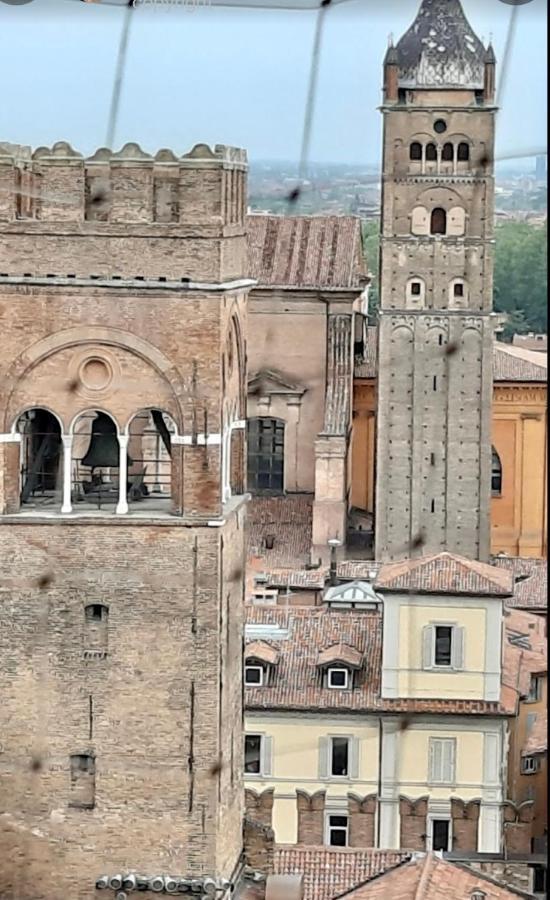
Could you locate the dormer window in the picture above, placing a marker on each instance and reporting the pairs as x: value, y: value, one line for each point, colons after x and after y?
x: 338, y: 664
x: 260, y: 659
x: 339, y: 678
x: 254, y: 675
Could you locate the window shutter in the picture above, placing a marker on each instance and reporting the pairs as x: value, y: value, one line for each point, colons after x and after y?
x: 457, y: 648
x: 428, y: 637
x: 354, y: 747
x: 267, y: 755
x: 323, y: 757
x: 436, y: 762
x: 448, y: 761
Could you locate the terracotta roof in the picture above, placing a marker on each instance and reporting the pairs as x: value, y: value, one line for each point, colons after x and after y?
x: 328, y: 871
x: 339, y: 376
x: 537, y: 742
x: 518, y: 364
x: 440, y: 49
x: 445, y: 573
x: 262, y: 651
x: 524, y: 649
x: 538, y: 342
x: 427, y: 877
x: 509, y: 363
x: 340, y: 653
x: 306, y: 251
x: 288, y: 520
x: 298, y: 683
x: 531, y: 581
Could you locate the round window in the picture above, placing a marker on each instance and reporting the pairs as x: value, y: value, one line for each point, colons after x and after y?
x: 440, y: 126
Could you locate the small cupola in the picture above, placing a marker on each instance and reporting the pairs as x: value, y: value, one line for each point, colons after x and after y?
x: 354, y: 595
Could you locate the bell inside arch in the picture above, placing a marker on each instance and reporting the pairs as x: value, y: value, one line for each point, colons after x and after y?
x: 103, y: 451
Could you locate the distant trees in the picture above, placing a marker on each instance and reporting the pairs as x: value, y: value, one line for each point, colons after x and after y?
x: 520, y: 280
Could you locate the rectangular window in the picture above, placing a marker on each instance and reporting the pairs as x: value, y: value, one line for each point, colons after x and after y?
x: 539, y: 879
x: 442, y: 760
x: 253, y: 676
x: 338, y: 678
x: 459, y: 290
x: 82, y: 781
x: 529, y: 765
x: 253, y: 754
x: 339, y: 757
x: 535, y: 689
x: 415, y: 288
x: 439, y: 835
x: 443, y: 640
x: 337, y: 831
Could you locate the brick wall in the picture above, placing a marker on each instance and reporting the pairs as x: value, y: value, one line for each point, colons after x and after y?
x: 259, y: 806
x: 311, y: 817
x: 465, y: 819
x: 413, y: 823
x: 362, y: 814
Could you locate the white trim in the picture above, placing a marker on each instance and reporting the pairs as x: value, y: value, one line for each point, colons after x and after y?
x: 174, y: 285
x: 238, y: 423
x: 13, y: 437
x: 67, y: 439
x: 328, y: 828
x: 256, y: 668
x: 215, y: 523
x: 441, y: 817
x: 338, y: 687
x: 200, y: 439
x: 122, y: 505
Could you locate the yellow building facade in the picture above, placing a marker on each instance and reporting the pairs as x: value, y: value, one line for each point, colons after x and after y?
x: 519, y: 425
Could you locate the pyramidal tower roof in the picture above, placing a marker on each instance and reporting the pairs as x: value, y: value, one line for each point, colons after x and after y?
x: 440, y: 49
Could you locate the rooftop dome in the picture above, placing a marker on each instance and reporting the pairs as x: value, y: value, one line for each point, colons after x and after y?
x: 440, y: 49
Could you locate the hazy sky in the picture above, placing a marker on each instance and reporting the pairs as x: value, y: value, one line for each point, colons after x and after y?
x: 236, y: 76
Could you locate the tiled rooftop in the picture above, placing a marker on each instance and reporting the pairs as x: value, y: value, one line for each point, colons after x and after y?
x: 509, y: 363
x: 328, y: 872
x: 524, y: 650
x: 531, y: 581
x: 306, y: 251
x: 298, y: 684
x: 427, y: 877
x: 445, y: 573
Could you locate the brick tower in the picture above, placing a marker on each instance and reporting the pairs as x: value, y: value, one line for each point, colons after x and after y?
x: 436, y: 267
x: 122, y: 365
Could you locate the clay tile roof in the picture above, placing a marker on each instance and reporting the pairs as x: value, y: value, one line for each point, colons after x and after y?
x: 328, y: 871
x: 298, y: 683
x: 537, y: 742
x: 339, y: 376
x: 518, y: 364
x: 262, y: 651
x: 323, y: 252
x: 445, y: 573
x: 340, y: 653
x: 427, y: 877
x: 530, y: 581
x: 440, y: 49
x: 524, y: 650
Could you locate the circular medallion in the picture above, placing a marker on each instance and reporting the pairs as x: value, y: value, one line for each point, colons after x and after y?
x: 95, y: 374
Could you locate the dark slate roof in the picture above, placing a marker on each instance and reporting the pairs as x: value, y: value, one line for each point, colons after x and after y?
x: 440, y: 49
x: 323, y: 252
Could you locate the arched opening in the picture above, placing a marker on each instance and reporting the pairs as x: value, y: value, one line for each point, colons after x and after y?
x: 415, y: 151
x: 463, y: 152
x: 41, y: 458
x: 447, y: 153
x: 431, y: 153
x: 95, y: 461
x: 266, y: 438
x: 496, y: 474
x: 438, y: 222
x: 415, y: 293
x: 458, y: 294
x: 150, y: 438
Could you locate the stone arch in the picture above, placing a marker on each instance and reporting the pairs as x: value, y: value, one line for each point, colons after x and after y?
x: 415, y: 293
x: 28, y: 408
x: 73, y: 337
x: 458, y: 293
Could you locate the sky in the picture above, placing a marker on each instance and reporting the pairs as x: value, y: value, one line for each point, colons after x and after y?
x: 237, y: 76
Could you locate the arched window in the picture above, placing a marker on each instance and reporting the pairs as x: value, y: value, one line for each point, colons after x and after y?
x: 150, y: 448
x: 266, y: 439
x: 458, y: 294
x: 438, y: 223
x: 463, y: 152
x: 420, y: 220
x: 415, y: 151
x: 496, y: 474
x: 95, y: 460
x: 431, y: 153
x: 41, y: 458
x: 447, y: 153
x: 415, y: 293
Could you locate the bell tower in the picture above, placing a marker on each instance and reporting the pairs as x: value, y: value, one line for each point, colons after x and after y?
x: 436, y: 281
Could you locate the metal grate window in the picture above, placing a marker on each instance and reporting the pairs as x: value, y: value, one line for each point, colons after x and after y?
x: 266, y: 439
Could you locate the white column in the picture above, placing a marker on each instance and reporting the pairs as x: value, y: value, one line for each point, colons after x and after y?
x: 226, y: 464
x: 66, y: 506
x: 122, y: 505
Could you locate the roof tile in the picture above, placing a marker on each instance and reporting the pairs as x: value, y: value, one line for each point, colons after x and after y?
x: 328, y: 872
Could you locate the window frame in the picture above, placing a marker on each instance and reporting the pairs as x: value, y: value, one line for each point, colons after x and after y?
x: 103, y: 617
x: 415, y: 144
x: 458, y: 642
x: 533, y: 769
x: 496, y: 472
x: 538, y: 680
x: 329, y: 828
x: 260, y: 772
x: 432, y: 779
x: 444, y: 221
x: 259, y: 454
x: 436, y: 664
x: 258, y: 667
x: 337, y: 687
x: 348, y: 740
